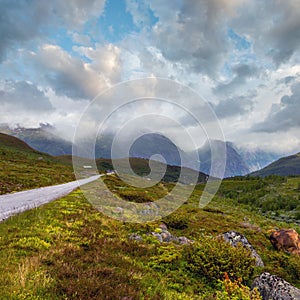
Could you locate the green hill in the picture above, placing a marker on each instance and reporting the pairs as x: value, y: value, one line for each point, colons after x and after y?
x: 285, y: 166
x: 141, y: 167
x: 43, y: 138
x: 13, y: 143
x: 22, y: 167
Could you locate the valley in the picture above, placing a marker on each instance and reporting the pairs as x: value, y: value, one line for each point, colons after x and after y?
x: 67, y: 249
x: 240, y: 161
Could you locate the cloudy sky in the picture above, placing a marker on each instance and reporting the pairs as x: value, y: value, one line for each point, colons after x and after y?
x: 242, y: 56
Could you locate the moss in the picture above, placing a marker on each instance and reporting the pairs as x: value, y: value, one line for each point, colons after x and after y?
x: 67, y: 249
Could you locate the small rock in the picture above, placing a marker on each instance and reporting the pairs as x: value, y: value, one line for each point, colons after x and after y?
x: 150, y: 209
x: 163, y: 226
x: 234, y: 238
x: 158, y: 236
x: 184, y: 240
x: 119, y: 210
x: 250, y: 226
x: 272, y: 287
x: 287, y: 240
x: 165, y: 236
x: 135, y: 237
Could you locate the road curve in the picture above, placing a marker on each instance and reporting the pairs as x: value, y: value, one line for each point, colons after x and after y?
x: 11, y: 204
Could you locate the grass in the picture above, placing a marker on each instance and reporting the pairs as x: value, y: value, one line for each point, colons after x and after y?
x: 141, y: 167
x: 274, y: 196
x: 68, y: 250
x: 21, y: 167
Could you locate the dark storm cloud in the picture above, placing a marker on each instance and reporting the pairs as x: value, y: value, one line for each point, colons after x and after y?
x: 272, y: 26
x: 283, y: 116
x: 235, y: 106
x: 19, y: 22
x: 241, y: 73
x: 193, y: 32
x: 287, y: 80
x: 23, y: 96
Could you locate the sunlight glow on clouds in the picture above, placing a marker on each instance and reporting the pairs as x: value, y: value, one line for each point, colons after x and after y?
x: 242, y: 56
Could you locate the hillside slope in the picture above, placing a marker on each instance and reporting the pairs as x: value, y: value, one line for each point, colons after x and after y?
x: 42, y: 139
x: 141, y: 167
x: 285, y: 166
x: 68, y: 248
x: 22, y: 167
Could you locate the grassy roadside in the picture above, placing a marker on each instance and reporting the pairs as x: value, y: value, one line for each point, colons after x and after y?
x: 22, y: 168
x: 68, y: 250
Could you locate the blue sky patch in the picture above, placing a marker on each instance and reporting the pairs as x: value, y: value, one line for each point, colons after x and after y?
x: 240, y: 42
x: 116, y: 22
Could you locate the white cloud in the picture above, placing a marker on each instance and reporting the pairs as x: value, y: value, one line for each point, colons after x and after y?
x: 193, y: 32
x: 72, y: 76
x: 24, y: 21
x: 249, y: 88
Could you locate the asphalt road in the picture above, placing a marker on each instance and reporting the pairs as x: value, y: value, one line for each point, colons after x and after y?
x: 11, y: 204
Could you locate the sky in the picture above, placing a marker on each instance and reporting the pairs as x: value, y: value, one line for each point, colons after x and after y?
x: 241, y: 56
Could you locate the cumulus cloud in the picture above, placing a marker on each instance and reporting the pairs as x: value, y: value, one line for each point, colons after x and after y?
x: 105, y: 59
x: 72, y: 76
x: 193, y: 32
x: 23, y: 96
x: 241, y: 55
x: 235, y: 106
x: 242, y: 73
x: 23, y: 21
x: 141, y: 14
x: 285, y: 115
x: 19, y: 22
x: 76, y: 13
x: 273, y: 27
x: 287, y: 80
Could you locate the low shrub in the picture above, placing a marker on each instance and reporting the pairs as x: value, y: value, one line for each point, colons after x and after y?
x: 177, y: 220
x: 235, y: 290
x: 212, y: 258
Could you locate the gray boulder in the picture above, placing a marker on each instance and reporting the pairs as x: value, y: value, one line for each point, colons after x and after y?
x: 163, y: 235
x: 234, y: 238
x: 272, y: 287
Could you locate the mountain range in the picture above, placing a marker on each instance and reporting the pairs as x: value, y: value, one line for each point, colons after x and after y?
x: 28, y: 167
x: 239, y: 161
x: 285, y: 166
x: 43, y: 139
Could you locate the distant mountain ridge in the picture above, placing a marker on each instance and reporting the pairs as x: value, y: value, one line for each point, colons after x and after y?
x: 240, y: 161
x: 257, y: 159
x: 234, y: 162
x: 285, y: 166
x: 43, y: 139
